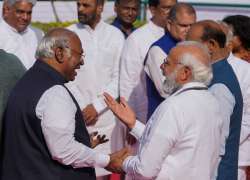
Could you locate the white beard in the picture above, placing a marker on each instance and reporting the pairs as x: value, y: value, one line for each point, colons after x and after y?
x: 169, y: 84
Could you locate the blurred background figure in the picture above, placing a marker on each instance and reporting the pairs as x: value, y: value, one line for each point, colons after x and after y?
x: 17, y: 36
x: 126, y: 14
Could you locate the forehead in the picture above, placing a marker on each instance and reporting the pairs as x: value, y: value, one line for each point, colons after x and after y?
x: 87, y: 1
x: 167, y: 2
x: 24, y: 5
x: 129, y: 3
x: 185, y: 17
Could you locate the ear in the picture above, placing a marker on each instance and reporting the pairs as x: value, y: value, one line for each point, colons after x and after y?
x: 59, y: 54
x: 115, y: 8
x: 169, y: 24
x: 212, y: 45
x: 99, y: 9
x: 185, y: 74
x: 6, y: 10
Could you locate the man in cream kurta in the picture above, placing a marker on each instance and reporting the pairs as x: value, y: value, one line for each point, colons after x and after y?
x: 17, y: 36
x: 102, y: 44
x: 181, y: 140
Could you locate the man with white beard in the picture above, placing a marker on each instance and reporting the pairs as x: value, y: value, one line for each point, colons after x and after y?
x: 182, y: 138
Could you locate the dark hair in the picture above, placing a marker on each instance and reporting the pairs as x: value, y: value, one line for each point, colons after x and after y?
x: 179, y: 7
x: 100, y: 2
x: 118, y: 1
x: 241, y: 28
x: 153, y: 3
x: 212, y: 32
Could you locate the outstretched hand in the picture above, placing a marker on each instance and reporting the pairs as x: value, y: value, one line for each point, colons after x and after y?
x: 122, y: 110
x: 96, y: 139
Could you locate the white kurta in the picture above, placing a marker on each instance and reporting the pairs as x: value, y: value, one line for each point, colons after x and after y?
x: 242, y: 71
x: 181, y: 140
x: 23, y: 45
x: 99, y: 74
x: 132, y: 75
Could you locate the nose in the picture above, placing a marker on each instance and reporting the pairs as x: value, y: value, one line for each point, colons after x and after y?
x: 25, y: 16
x: 130, y: 11
x: 162, y: 66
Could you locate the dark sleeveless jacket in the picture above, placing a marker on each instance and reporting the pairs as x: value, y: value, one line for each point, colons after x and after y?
x: 224, y: 74
x: 25, y: 154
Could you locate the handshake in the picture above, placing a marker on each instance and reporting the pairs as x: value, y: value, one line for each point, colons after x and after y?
x: 116, y: 161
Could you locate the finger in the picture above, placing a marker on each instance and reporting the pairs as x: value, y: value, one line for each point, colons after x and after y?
x: 110, y: 99
x: 123, y: 102
x: 93, y: 134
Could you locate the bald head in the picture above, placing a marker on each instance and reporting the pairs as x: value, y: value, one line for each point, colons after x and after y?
x: 58, y: 37
x: 195, y: 49
x: 206, y: 30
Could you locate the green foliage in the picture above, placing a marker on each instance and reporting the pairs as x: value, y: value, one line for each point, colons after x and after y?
x: 47, y: 26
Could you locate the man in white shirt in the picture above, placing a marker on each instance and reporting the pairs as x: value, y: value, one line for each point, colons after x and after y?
x: 181, y: 139
x: 103, y: 45
x: 17, y: 36
x: 45, y: 137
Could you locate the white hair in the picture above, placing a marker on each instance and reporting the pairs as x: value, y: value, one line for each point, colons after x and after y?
x: 201, y: 72
x: 46, y: 45
x: 12, y: 2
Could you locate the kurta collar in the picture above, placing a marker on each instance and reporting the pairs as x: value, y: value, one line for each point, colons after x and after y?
x: 188, y: 86
x: 7, y: 26
x: 117, y: 23
x: 219, y: 63
x: 88, y: 28
x: 50, y: 70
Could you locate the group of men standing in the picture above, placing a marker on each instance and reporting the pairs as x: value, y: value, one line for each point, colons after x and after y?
x: 178, y: 86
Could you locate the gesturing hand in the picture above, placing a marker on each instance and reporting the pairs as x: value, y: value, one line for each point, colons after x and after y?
x: 121, y: 110
x: 97, y: 139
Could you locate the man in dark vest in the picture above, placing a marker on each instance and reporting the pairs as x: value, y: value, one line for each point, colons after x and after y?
x: 127, y: 12
x: 226, y: 88
x: 45, y: 137
x: 181, y: 17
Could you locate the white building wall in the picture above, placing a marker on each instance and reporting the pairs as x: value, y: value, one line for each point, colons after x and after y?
x: 67, y: 10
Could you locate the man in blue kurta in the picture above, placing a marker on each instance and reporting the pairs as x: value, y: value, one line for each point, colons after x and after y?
x: 181, y: 17
x: 226, y: 89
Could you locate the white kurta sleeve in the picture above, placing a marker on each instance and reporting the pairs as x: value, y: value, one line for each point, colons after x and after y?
x: 112, y: 86
x: 226, y: 102
x: 152, y: 67
x: 56, y: 110
x: 161, y: 134
x: 138, y: 129
x: 245, y: 125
